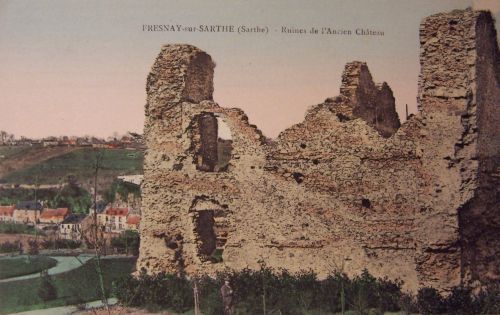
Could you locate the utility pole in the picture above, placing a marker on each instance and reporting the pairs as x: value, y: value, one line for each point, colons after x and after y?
x: 406, y: 111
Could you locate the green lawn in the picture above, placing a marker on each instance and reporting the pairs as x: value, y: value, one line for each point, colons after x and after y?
x: 19, y: 266
x: 80, y: 163
x: 75, y: 286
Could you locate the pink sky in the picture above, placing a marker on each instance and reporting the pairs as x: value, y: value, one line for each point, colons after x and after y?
x: 80, y: 67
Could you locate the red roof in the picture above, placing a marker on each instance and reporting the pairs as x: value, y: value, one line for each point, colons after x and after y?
x: 54, y: 213
x: 117, y: 211
x: 133, y: 219
x: 7, y: 210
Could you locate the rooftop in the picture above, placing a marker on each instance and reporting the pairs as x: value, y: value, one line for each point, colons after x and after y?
x: 6, y: 210
x: 74, y: 219
x: 29, y: 205
x: 117, y: 211
x: 54, y: 213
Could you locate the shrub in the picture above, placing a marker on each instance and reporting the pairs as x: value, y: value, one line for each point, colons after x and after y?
x: 127, y: 242
x: 429, y: 301
x: 9, y: 247
x: 33, y: 248
x: 487, y: 301
x: 459, y: 302
x: 282, y: 291
x: 408, y: 304
x: 329, y: 295
x: 61, y: 244
x: 47, y: 291
x: 388, y: 295
x: 209, y: 294
x: 362, y: 293
x: 165, y: 291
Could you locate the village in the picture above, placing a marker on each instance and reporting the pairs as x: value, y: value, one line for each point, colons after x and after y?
x: 57, y: 216
x: 61, y: 224
x: 130, y: 140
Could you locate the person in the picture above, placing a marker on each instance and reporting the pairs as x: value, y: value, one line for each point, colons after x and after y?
x: 227, y: 298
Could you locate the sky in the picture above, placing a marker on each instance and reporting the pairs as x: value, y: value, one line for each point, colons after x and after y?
x: 79, y: 67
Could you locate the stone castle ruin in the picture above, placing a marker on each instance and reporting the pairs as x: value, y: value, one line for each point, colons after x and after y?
x: 349, y: 187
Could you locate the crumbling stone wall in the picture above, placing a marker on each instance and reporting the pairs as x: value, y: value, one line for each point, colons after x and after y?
x: 349, y: 186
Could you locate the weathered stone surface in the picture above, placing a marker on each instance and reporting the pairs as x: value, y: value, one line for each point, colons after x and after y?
x: 348, y: 186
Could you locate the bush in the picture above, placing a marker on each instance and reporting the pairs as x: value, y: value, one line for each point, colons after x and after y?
x: 33, y: 249
x: 408, y: 304
x: 459, y: 302
x: 283, y: 292
x: 127, y: 242
x: 61, y: 244
x: 209, y: 294
x: 429, y: 301
x: 388, y: 295
x: 487, y: 301
x: 9, y: 247
x: 47, y: 291
x: 166, y: 291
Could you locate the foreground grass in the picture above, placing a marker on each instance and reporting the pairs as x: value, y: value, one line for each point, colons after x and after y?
x: 73, y: 287
x: 20, y: 266
x: 80, y: 163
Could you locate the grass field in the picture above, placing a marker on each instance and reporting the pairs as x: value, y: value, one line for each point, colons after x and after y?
x: 20, y: 266
x: 76, y: 286
x: 79, y: 163
x: 10, y: 151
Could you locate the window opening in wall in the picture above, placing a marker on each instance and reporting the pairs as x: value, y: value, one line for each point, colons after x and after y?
x: 224, y: 145
x: 216, y: 145
x: 211, y: 230
x: 366, y: 203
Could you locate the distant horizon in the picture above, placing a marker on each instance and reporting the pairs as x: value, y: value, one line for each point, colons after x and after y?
x: 73, y: 68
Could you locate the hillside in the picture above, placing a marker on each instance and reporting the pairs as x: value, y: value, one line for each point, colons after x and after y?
x: 15, y: 158
x: 53, y: 165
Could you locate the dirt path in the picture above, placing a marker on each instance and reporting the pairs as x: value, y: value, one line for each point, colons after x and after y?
x: 33, y: 157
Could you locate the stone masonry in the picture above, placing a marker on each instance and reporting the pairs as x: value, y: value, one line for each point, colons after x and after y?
x: 349, y: 187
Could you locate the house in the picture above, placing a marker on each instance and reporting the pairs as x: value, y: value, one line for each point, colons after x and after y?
x: 50, y: 143
x: 28, y: 212
x: 7, y: 213
x: 115, y: 219
x: 53, y: 216
x: 71, y: 228
x: 133, y: 221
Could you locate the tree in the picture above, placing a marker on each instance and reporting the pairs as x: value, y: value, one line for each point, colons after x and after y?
x: 98, y: 242
x: 3, y: 136
x: 73, y: 196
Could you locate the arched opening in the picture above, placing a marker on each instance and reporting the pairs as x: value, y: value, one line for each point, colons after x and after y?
x: 215, y: 144
x: 199, y: 79
x: 210, y: 227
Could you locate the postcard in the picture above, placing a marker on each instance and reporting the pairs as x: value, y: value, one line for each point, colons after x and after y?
x: 249, y: 157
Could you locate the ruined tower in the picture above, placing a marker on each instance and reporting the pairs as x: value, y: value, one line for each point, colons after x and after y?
x: 348, y: 186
